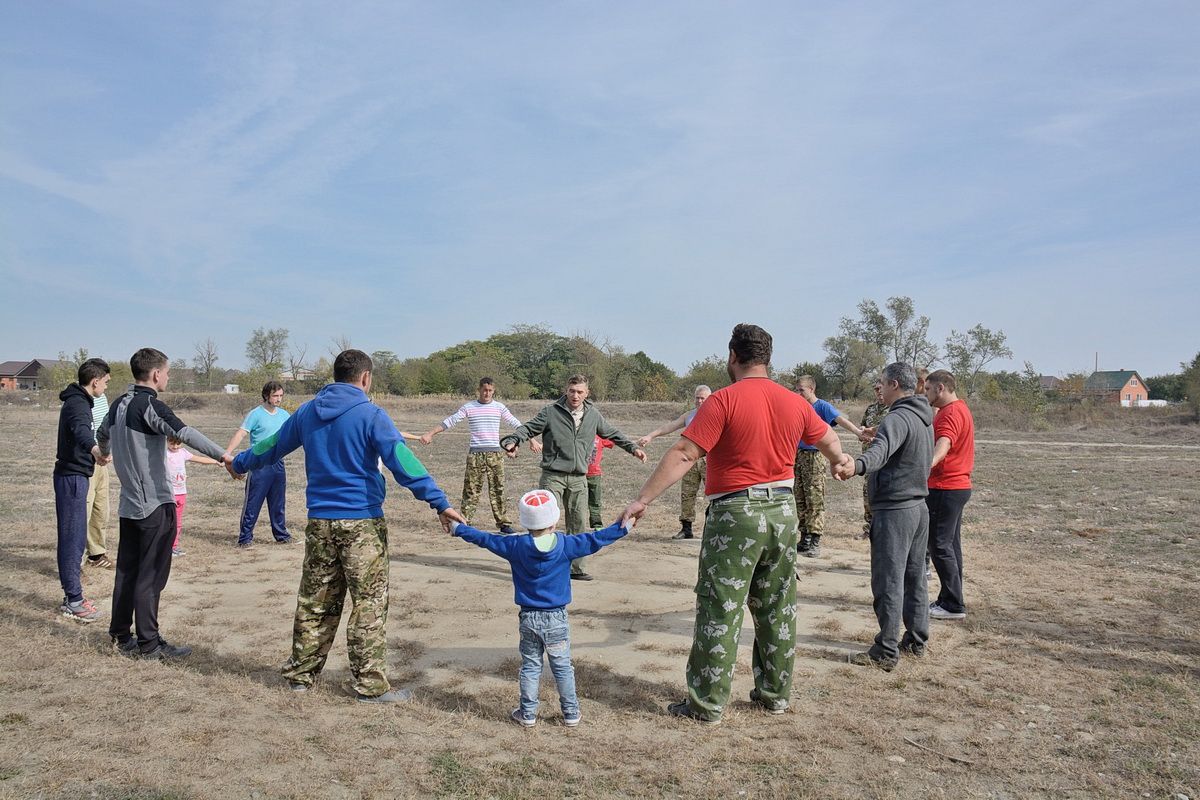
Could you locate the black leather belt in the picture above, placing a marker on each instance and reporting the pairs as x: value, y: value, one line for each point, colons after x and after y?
x: 762, y: 492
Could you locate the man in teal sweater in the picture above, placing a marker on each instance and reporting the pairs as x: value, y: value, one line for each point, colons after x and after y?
x: 568, y: 428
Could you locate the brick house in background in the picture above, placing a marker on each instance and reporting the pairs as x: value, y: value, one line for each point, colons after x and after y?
x: 1116, y: 386
x: 23, y: 374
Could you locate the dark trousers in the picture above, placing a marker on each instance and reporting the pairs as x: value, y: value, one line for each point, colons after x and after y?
x: 595, y: 501
x: 945, y: 544
x: 143, y: 566
x: 899, y: 537
x: 70, y: 508
x: 270, y: 484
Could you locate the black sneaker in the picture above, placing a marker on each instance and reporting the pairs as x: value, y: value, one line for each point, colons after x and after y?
x: 581, y: 576
x: 165, y: 651
x: 912, y: 649
x: 507, y: 530
x: 685, y: 531
x: 804, y: 543
x: 682, y: 709
x: 865, y: 659
x: 127, y: 648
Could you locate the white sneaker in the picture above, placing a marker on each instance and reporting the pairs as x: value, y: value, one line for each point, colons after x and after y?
x: 937, y: 612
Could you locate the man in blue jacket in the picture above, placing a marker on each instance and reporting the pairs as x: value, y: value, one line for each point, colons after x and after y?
x: 344, y: 435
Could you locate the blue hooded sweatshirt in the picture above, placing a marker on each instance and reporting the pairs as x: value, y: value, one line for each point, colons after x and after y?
x: 541, y: 580
x: 344, y: 435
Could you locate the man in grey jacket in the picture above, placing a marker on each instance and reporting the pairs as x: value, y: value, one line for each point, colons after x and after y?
x: 897, y: 469
x: 569, y: 427
x: 135, y: 432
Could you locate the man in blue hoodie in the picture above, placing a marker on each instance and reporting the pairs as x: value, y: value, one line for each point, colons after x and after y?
x: 897, y: 469
x: 344, y: 435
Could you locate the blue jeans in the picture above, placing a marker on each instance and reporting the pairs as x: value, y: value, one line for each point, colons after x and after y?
x: 548, y: 631
x: 70, y: 507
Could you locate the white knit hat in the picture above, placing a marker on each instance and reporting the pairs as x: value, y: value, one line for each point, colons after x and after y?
x: 539, y: 510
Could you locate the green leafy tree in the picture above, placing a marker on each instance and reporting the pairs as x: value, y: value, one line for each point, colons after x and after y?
x: 711, y: 372
x: 968, y: 353
x: 1191, y: 383
x: 1166, y: 387
x: 266, y: 351
x: 899, y: 334
x: 850, y: 365
x: 790, y: 377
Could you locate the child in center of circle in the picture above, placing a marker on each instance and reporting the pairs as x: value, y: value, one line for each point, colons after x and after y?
x: 177, y: 458
x: 541, y: 575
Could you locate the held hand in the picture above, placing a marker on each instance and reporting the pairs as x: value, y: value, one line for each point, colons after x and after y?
x: 535, y: 446
x: 425, y: 438
x: 645, y: 440
x: 867, y: 434
x: 844, y: 469
x: 640, y: 455
x: 450, y: 515
x: 227, y: 461
x: 633, y: 512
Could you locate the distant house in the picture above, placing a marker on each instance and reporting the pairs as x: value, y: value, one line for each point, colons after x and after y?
x: 1049, y: 383
x: 1116, y: 386
x: 23, y: 375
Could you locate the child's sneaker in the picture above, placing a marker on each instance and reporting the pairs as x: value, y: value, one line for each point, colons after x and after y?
x: 519, y: 717
x: 178, y: 551
x: 571, y: 720
x: 83, y: 611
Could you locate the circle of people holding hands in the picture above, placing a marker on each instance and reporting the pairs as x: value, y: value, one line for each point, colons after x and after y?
x: 755, y: 449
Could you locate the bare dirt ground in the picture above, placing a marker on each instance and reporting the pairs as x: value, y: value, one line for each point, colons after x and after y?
x: 1075, y: 674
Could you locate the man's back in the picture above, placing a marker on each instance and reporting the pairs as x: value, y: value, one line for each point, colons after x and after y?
x: 344, y: 436
x: 749, y: 430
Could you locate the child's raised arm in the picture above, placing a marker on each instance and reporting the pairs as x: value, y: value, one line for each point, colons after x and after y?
x: 585, y: 544
x: 199, y: 459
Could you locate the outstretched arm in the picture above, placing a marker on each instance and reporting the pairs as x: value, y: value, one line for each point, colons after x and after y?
x: 674, y: 465
x: 269, y: 450
x: 605, y: 430
x: 674, y: 425
x: 500, y: 545
x: 585, y: 544
x: 850, y: 426
x: 527, y: 431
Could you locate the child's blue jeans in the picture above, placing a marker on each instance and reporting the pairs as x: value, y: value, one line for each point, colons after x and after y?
x: 546, y: 631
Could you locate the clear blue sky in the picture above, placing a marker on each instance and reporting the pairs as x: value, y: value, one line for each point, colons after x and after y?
x: 411, y: 175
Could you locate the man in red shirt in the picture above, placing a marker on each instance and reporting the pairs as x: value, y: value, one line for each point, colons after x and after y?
x: 748, y: 431
x: 949, y: 491
x: 595, y: 489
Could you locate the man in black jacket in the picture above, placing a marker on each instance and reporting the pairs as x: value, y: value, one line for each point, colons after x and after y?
x: 76, y: 459
x: 897, y: 465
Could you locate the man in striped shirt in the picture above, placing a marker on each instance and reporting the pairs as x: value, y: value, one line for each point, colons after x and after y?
x: 485, y: 459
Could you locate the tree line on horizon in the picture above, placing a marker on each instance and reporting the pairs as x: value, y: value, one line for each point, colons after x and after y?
x: 533, y: 361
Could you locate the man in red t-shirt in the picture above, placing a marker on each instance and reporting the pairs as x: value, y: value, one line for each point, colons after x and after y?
x: 748, y: 431
x: 949, y: 491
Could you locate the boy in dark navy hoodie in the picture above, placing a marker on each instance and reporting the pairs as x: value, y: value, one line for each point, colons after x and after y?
x: 75, y: 460
x: 541, y: 574
x: 344, y: 436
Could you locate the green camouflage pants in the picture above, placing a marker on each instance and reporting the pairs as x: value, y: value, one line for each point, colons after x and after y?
x: 595, y: 501
x: 747, y: 558
x: 866, y: 509
x: 491, y: 467
x: 809, y: 487
x: 571, y: 492
x: 341, y: 555
x: 689, y: 487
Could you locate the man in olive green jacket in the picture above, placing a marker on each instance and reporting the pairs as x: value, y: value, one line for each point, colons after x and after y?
x: 569, y: 427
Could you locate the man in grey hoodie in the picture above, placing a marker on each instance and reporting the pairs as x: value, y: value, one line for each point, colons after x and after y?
x: 897, y: 469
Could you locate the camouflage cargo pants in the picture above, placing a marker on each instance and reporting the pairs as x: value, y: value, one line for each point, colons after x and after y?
x: 747, y: 558
x: 481, y: 466
x: 689, y: 488
x: 866, y: 510
x: 343, y: 555
x: 811, y: 468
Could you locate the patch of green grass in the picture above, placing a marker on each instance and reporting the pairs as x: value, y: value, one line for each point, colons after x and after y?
x: 8, y: 772
x: 14, y: 719
x: 455, y: 778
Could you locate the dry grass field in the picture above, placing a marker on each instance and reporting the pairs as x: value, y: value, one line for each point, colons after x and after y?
x: 1075, y: 674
